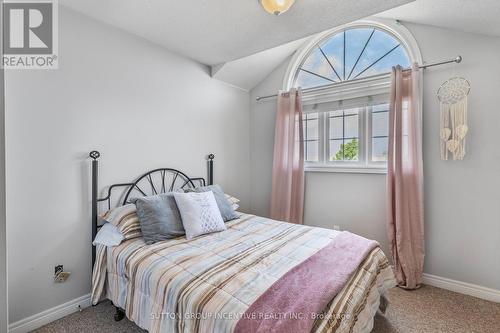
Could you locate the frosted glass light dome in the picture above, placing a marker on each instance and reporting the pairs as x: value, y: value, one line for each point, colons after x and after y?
x: 276, y: 7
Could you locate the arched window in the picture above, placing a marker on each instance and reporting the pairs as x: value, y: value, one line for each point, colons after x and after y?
x: 346, y: 82
x: 351, y: 54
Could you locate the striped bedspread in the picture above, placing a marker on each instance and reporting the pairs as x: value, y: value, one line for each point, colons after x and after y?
x: 207, y: 284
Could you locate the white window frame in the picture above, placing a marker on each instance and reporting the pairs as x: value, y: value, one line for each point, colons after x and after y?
x: 364, y: 162
x: 378, y: 85
x: 368, y: 86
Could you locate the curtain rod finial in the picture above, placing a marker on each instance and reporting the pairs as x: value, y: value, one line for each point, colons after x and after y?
x: 458, y: 59
x: 94, y: 154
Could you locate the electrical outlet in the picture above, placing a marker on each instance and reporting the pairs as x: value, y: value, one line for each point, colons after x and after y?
x: 60, y: 275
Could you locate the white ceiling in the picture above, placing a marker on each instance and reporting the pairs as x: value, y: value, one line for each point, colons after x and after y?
x: 217, y: 31
x: 480, y: 16
x: 247, y: 72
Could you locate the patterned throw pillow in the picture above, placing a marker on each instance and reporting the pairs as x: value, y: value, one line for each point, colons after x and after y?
x: 125, y: 219
x: 200, y: 213
x: 225, y: 207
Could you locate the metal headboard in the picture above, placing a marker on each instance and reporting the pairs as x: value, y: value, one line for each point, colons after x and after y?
x: 153, y: 182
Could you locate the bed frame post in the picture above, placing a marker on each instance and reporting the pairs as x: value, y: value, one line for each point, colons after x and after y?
x: 95, y: 167
x: 211, y: 169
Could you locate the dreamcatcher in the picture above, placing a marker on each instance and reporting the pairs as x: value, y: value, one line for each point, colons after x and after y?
x: 452, y: 96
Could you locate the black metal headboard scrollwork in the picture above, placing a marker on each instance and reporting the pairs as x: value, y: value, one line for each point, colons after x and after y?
x: 153, y: 182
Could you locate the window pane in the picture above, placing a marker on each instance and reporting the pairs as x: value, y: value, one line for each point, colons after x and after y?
x: 380, y: 132
x: 344, y: 124
x: 379, y: 149
x: 355, y: 42
x: 334, y: 49
x: 396, y: 57
x: 380, y: 45
x: 344, y: 132
x: 318, y: 64
x: 350, y: 54
x: 344, y: 150
x: 351, y: 126
x: 380, y: 124
x: 310, y: 123
x: 306, y: 80
x: 336, y: 128
x: 311, y: 129
x: 311, y: 151
x: 335, y: 151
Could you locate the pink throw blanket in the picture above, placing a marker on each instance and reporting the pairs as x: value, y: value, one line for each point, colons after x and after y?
x: 292, y: 302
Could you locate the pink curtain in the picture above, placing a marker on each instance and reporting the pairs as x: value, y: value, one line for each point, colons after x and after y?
x: 405, y: 178
x: 287, y: 198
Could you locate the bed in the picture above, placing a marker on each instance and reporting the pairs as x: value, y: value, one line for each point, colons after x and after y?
x: 259, y: 275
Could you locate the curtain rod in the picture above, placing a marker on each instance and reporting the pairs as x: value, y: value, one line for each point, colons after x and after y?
x: 458, y: 59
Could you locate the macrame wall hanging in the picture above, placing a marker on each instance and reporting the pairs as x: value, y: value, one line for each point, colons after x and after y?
x: 452, y: 97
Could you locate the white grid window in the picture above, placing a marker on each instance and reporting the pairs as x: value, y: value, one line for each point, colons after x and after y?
x: 346, y: 80
x: 379, y: 132
x: 347, y: 139
x: 343, y: 138
x: 311, y: 137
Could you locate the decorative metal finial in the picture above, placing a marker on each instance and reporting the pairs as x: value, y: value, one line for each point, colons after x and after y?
x: 94, y: 154
x: 211, y: 156
x: 458, y: 59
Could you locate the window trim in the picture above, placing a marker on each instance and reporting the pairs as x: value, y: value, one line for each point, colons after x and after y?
x: 361, y: 138
x: 363, y: 165
x: 346, y: 169
x: 372, y: 85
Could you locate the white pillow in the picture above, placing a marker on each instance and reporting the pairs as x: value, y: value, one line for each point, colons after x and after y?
x: 108, y: 235
x: 199, y: 212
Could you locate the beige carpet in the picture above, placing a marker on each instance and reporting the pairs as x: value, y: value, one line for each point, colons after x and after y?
x: 427, y: 310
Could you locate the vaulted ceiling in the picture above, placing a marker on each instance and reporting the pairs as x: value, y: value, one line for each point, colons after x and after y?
x: 480, y: 16
x: 243, y: 43
x: 217, y: 31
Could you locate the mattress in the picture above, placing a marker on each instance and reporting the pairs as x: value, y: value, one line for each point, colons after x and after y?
x: 206, y: 284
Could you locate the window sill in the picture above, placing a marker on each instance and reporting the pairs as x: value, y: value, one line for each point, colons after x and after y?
x: 375, y: 170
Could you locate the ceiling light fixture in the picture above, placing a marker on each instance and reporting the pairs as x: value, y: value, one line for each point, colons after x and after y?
x: 276, y: 7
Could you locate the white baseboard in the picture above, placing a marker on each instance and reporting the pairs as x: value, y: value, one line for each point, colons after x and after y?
x: 462, y: 287
x: 38, y: 320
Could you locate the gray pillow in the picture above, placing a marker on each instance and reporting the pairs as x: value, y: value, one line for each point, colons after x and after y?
x: 160, y: 218
x: 226, y: 209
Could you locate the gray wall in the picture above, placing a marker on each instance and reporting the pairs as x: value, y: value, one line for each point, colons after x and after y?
x: 461, y: 198
x: 142, y: 107
x: 3, y: 243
